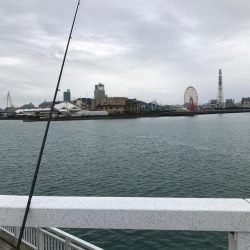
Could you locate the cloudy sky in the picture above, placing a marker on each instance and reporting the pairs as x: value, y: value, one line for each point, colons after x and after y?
x: 148, y: 49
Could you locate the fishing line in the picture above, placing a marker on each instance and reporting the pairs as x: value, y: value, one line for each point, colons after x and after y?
x: 45, y: 137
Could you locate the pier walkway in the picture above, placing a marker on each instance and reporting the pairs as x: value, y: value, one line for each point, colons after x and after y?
x: 5, y: 246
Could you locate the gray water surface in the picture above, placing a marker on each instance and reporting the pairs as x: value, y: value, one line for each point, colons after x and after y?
x: 202, y: 156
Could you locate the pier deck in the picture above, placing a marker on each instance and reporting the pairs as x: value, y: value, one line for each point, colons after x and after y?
x: 5, y: 246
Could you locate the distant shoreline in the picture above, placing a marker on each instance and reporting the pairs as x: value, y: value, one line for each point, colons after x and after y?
x: 128, y: 116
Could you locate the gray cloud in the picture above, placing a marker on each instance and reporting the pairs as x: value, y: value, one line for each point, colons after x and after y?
x: 144, y: 49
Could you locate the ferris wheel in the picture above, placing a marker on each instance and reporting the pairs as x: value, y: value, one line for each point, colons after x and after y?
x: 190, y: 98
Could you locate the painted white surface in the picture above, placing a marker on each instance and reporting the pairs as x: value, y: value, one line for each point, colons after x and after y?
x: 199, y: 214
x: 239, y: 241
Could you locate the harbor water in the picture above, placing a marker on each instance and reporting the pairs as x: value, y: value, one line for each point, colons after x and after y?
x: 200, y: 156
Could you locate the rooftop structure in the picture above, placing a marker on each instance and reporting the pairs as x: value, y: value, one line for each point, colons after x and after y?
x: 67, y: 107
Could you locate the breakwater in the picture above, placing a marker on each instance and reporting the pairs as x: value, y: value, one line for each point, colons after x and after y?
x: 139, y: 115
x: 126, y: 115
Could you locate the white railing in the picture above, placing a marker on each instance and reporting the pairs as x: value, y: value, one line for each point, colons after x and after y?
x: 191, y: 214
x: 49, y: 239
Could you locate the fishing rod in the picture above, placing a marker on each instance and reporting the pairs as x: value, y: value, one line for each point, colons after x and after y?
x: 45, y: 137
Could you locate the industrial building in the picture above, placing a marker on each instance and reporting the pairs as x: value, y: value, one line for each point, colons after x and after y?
x: 229, y: 103
x: 99, y: 91
x: 67, y: 96
x: 112, y: 104
x: 116, y: 104
x: 83, y: 103
x: 245, y: 102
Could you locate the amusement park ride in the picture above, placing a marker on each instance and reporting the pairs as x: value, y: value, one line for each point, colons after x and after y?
x: 190, y: 98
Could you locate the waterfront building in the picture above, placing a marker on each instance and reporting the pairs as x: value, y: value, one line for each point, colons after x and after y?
x: 112, y: 104
x: 83, y: 103
x: 43, y: 112
x: 229, y: 103
x: 1, y: 112
x: 45, y: 104
x: 67, y: 108
x: 237, y: 104
x: 67, y: 96
x: 213, y: 103
x: 115, y: 105
x: 142, y: 106
x: 153, y: 106
x: 99, y: 91
x: 245, y: 102
x: 28, y: 106
x: 171, y: 108
x: 220, y: 96
x: 131, y: 106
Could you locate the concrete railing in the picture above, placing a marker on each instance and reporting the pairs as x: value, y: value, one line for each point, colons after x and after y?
x: 194, y: 214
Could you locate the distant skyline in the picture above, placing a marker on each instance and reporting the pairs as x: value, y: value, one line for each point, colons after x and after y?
x: 149, y: 50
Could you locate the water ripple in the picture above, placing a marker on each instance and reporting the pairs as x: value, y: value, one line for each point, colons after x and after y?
x: 158, y: 157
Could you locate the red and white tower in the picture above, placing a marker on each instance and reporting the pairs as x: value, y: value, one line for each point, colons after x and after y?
x: 220, y: 96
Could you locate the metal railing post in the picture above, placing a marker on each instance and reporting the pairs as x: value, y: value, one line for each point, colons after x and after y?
x: 232, y: 238
x: 47, y: 238
x: 17, y: 232
x: 67, y: 243
x: 39, y: 239
x: 239, y: 241
x: 243, y: 241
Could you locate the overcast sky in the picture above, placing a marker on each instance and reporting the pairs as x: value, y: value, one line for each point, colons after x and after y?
x: 144, y: 49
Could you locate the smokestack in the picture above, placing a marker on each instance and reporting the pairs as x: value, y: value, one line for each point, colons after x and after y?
x: 220, y: 96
